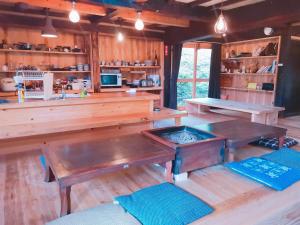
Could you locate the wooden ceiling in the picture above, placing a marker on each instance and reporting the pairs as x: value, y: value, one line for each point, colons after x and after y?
x: 192, y: 18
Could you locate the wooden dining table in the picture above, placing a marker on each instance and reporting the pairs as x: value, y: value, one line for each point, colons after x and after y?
x: 71, y: 164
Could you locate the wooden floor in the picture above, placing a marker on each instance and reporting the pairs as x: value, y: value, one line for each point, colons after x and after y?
x: 26, y: 199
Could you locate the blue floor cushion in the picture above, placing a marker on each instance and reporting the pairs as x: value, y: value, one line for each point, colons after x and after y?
x: 271, y: 174
x: 285, y: 156
x: 106, y: 214
x: 164, y: 204
x: 273, y: 143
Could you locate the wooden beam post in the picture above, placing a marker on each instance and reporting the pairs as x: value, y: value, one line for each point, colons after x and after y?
x: 95, y: 65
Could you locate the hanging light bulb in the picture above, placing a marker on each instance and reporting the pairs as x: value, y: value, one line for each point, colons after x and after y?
x: 74, y: 15
x: 221, y: 25
x: 139, y: 23
x: 120, y: 36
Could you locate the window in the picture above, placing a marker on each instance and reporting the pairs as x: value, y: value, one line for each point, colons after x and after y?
x: 194, y: 70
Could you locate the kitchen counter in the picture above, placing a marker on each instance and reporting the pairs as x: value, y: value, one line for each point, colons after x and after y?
x: 95, y: 98
x: 39, y: 117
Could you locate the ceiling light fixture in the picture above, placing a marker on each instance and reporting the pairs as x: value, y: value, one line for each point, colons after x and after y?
x: 74, y: 14
x: 268, y: 31
x: 120, y: 36
x: 49, y: 30
x: 139, y: 23
x: 221, y: 25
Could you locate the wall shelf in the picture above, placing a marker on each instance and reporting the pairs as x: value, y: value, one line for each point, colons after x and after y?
x: 252, y: 57
x: 132, y: 67
x: 41, y: 52
x: 249, y: 74
x: 62, y: 71
x: 124, y: 88
x: 246, y: 89
x: 234, y: 85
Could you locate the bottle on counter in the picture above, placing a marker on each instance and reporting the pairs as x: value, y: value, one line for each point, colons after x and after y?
x: 21, y: 95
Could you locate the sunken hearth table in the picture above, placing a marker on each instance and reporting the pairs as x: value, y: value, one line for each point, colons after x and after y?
x: 239, y: 133
x: 71, y: 164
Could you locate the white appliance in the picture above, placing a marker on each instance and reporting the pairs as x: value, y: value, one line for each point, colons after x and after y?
x: 7, y: 84
x: 111, y: 79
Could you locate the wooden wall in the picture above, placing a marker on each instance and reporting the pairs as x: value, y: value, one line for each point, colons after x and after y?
x: 130, y: 49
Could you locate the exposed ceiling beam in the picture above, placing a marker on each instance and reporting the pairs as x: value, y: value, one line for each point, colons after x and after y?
x: 150, y: 17
x: 38, y: 23
x: 63, y: 5
x: 198, y: 2
x: 93, y: 8
x: 223, y: 4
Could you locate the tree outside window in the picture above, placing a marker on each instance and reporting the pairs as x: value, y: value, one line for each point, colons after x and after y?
x: 194, y: 71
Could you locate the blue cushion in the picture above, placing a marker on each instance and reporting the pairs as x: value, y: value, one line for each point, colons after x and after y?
x: 2, y: 101
x: 164, y: 204
x: 273, y: 143
x: 271, y: 174
x: 285, y: 156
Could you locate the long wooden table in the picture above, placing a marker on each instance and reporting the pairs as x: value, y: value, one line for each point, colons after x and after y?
x: 239, y: 133
x: 71, y: 164
x: 259, y: 113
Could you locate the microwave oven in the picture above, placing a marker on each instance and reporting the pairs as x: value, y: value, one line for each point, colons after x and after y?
x: 111, y: 79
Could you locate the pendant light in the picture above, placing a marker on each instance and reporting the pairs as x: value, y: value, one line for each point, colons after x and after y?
x: 49, y: 30
x: 139, y: 23
x: 221, y: 25
x: 74, y: 14
x: 120, y: 36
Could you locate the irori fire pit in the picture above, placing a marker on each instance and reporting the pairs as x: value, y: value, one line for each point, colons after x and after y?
x: 195, y: 149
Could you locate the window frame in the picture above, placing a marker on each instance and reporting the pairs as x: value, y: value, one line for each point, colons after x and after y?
x: 194, y: 80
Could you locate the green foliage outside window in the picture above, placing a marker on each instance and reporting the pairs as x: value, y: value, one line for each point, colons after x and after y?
x: 186, y: 71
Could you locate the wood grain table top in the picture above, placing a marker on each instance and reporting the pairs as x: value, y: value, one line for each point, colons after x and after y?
x: 79, y: 162
x: 235, y: 105
x: 239, y: 133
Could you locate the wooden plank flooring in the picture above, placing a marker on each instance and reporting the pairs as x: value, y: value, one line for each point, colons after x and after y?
x: 26, y: 199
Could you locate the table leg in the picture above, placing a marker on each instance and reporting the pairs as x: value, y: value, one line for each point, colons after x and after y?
x: 169, y: 174
x: 231, y: 154
x: 177, y: 121
x: 49, y: 175
x: 281, y: 141
x: 65, y: 200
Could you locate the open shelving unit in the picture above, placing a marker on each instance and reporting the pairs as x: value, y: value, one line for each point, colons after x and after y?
x: 45, y: 59
x: 131, y: 51
x: 234, y: 85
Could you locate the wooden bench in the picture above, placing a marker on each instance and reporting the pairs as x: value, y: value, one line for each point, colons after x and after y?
x: 259, y: 113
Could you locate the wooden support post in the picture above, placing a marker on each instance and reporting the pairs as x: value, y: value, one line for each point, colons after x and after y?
x: 65, y: 200
x: 95, y: 58
x: 169, y: 174
x: 231, y: 154
x: 177, y: 121
x: 281, y: 141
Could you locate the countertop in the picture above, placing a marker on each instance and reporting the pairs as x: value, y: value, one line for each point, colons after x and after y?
x: 93, y: 99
